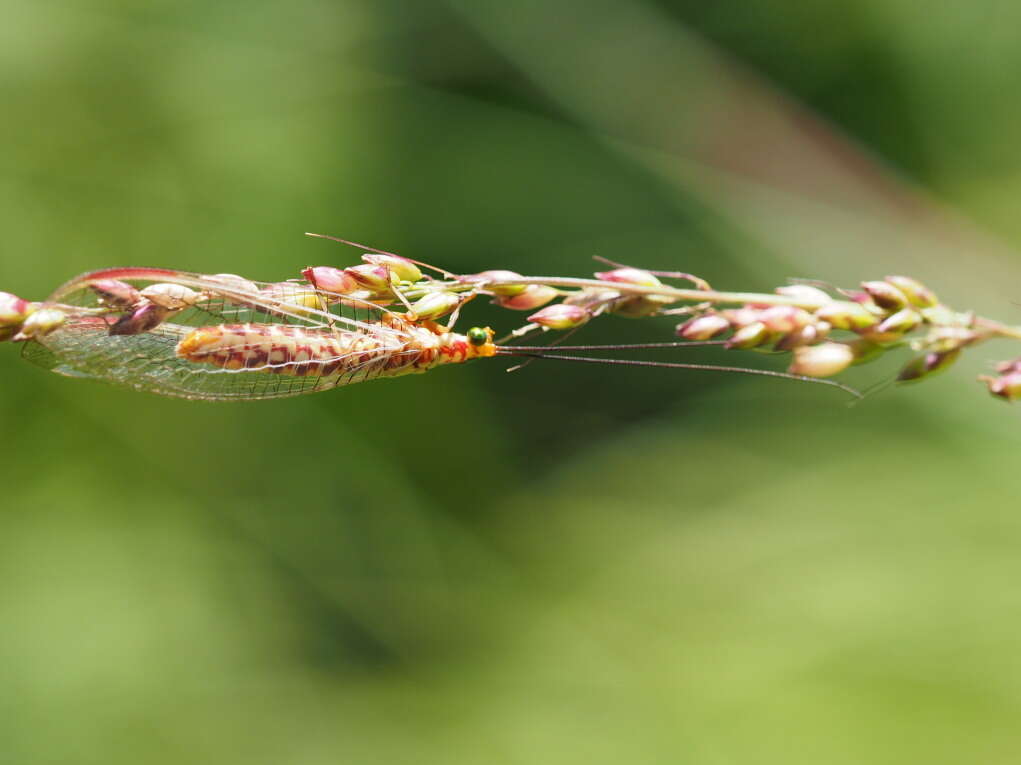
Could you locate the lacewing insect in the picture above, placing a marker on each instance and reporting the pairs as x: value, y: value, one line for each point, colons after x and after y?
x: 226, y: 338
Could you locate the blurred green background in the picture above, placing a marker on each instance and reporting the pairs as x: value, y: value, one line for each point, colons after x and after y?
x: 559, y: 565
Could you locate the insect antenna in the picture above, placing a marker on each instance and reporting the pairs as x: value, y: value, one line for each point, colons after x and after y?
x: 537, y: 353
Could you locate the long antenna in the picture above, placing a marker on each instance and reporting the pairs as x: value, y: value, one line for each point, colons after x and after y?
x: 679, y: 365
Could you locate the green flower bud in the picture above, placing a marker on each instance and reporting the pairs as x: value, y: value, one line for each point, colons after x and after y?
x: 885, y: 295
x: 750, y: 336
x: 704, y: 327
x: 502, y: 290
x: 435, y: 304
x: 865, y: 350
x: 917, y: 293
x: 929, y: 364
x: 402, y: 268
x: 41, y: 323
x: 900, y: 323
x: 823, y: 360
x: 844, y: 314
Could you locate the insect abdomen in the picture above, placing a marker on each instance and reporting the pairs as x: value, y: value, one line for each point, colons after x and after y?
x: 287, y: 350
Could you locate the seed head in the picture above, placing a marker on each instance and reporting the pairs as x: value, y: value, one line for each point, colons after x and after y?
x: 885, y: 295
x: 1007, y: 387
x: 373, y: 278
x: 114, y: 293
x: 41, y: 323
x: 916, y: 293
x: 704, y: 327
x: 899, y: 323
x: 402, y: 268
x: 435, y: 304
x: 561, y: 316
x: 844, y: 314
x: 823, y: 360
x: 173, y: 297
x: 750, y: 336
x: 142, y: 319
x: 534, y: 296
x: 503, y: 290
x: 929, y: 364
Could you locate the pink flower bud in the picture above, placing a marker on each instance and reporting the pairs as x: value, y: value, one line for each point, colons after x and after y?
x: 114, y: 293
x: 885, y: 295
x: 173, y: 297
x: 561, y: 316
x: 704, y: 327
x: 823, y: 360
x: 1006, y: 367
x: 402, y: 268
x: 329, y: 279
x: 435, y: 304
x: 534, y: 296
x: 503, y: 290
x: 844, y: 314
x: 927, y: 365
x: 785, y: 318
x: 373, y: 278
x: 144, y: 318
x: 810, y: 295
x: 917, y: 293
x: 1007, y: 386
x: 629, y: 276
x: 41, y: 323
x: 13, y: 310
x: 638, y: 306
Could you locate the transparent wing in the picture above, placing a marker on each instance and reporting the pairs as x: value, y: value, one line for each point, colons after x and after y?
x: 88, y: 345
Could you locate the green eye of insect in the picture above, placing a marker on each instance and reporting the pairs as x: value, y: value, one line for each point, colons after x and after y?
x: 478, y: 336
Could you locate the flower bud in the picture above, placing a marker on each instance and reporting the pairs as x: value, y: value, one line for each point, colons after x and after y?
x: 916, y: 293
x: 435, y: 304
x: 629, y: 276
x: 329, y: 279
x: 885, y: 295
x: 865, y: 350
x: 929, y: 364
x: 749, y: 336
x: 503, y: 290
x: 114, y: 293
x: 1006, y: 367
x: 173, y: 297
x: 1007, y: 386
x: 41, y: 323
x: 823, y: 360
x: 234, y: 283
x: 704, y: 327
x: 374, y: 278
x: 638, y: 306
x: 13, y: 310
x: 402, y: 268
x: 533, y: 297
x: 785, y: 318
x: 561, y: 316
x: 808, y: 335
x: 144, y: 318
x: 809, y: 294
x: 900, y: 323
x: 844, y: 314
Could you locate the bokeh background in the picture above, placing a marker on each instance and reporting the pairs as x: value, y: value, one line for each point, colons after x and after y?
x: 559, y: 565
